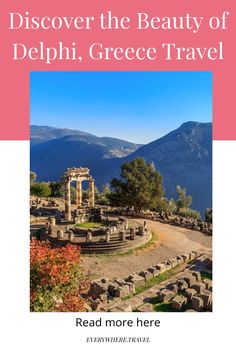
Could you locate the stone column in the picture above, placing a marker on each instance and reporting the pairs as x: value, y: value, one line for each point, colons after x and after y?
x: 52, y: 221
x: 91, y: 192
x: 78, y: 194
x: 145, y: 225
x: 71, y: 235
x: 132, y: 232
x: 122, y: 235
x: 67, y: 202
x: 89, y: 236
x: 107, y: 235
x: 60, y: 234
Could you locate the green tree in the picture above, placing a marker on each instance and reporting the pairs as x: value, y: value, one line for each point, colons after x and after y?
x: 40, y: 189
x: 106, y: 190
x: 140, y: 186
x: 33, y: 177
x: 84, y: 194
x: 57, y: 189
x: 72, y: 194
x: 102, y: 198
x: 167, y: 205
x: 184, y: 200
x: 189, y: 213
x: 208, y: 215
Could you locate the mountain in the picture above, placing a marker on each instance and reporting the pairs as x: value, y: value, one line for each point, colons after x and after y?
x: 54, y: 149
x: 184, y: 157
x: 40, y: 134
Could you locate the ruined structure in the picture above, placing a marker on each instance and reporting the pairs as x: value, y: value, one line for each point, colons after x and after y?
x: 77, y: 174
x: 112, y: 235
x: 186, y: 290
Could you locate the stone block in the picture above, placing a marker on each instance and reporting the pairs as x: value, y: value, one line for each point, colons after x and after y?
x: 166, y: 295
x: 190, y: 280
x: 192, y: 256
x: 52, y: 221
x: 208, y: 283
x: 206, y: 296
x: 179, y: 302
x: 154, y: 271
x: 196, y: 228
x: 182, y: 285
x: 197, y: 275
x: 199, y: 287
x: 173, y: 287
x: 131, y: 287
x: 60, y: 234
x: 161, y: 267
x: 121, y: 308
x: 146, y: 308
x: 173, y: 262
x: 120, y: 281
x: 185, y: 257
x: 104, y: 280
x: 168, y: 265
x: 179, y: 259
x: 96, y: 305
x: 197, y: 303
x: 112, y: 288
x: 122, y: 291
x: 136, y: 279
x: 114, y: 309
x: 98, y: 288
x: 146, y: 274
x: 189, y: 293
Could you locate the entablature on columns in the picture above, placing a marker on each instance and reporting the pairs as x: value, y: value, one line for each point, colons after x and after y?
x: 77, y: 174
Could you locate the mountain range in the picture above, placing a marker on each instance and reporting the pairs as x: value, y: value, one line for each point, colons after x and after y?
x: 184, y: 157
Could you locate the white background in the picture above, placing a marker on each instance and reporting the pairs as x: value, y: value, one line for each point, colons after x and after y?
x: 25, y: 332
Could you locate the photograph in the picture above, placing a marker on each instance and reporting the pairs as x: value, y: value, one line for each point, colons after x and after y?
x: 120, y: 191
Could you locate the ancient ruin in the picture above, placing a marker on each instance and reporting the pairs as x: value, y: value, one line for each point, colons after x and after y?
x: 77, y: 174
x: 101, y: 229
x: 187, y: 290
x: 108, y: 233
x: 112, y: 234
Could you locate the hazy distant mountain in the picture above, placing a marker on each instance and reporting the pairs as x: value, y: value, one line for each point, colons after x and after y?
x: 40, y: 134
x: 55, y: 149
x: 183, y: 157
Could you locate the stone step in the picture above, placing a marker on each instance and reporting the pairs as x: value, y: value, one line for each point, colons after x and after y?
x: 104, y: 247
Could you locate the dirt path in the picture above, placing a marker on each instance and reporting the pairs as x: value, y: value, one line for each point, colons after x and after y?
x: 172, y: 241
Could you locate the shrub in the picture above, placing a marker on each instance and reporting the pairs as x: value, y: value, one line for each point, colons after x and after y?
x: 189, y: 213
x: 40, y: 189
x: 54, y: 278
x: 184, y: 200
x: 57, y: 190
x: 208, y: 215
x: 167, y: 205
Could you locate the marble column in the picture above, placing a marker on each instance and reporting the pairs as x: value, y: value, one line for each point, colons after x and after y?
x: 67, y: 202
x: 78, y: 194
x: 91, y: 192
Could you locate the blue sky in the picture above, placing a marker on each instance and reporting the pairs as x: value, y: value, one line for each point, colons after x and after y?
x: 134, y: 106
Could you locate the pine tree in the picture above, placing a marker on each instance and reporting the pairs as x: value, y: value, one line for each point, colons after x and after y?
x: 140, y: 186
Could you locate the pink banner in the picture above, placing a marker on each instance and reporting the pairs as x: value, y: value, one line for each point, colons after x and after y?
x: 79, y: 22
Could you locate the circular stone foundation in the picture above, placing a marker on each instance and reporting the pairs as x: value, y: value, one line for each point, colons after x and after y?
x: 116, y: 234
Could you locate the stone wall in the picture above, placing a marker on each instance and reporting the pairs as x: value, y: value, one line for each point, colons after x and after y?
x: 104, y: 291
x: 167, y: 218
